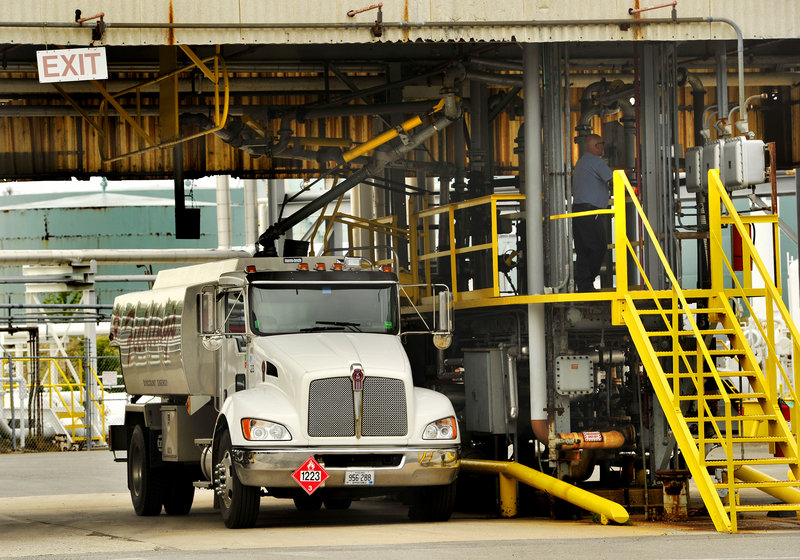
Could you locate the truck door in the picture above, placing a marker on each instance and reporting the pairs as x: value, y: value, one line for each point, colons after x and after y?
x: 233, y: 356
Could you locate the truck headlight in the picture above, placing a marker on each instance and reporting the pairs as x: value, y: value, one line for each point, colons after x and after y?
x: 264, y: 430
x: 441, y: 429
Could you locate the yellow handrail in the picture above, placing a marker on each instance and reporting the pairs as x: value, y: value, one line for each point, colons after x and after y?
x: 58, y: 389
x: 459, y: 292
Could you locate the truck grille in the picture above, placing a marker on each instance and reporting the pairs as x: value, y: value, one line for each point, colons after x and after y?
x: 331, y: 413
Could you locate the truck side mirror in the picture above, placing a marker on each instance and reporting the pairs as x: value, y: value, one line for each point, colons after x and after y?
x: 207, y: 311
x: 443, y: 335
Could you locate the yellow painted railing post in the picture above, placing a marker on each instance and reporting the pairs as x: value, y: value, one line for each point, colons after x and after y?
x: 714, y: 228
x: 495, y: 250
x: 620, y: 239
x: 620, y: 248
x: 451, y: 214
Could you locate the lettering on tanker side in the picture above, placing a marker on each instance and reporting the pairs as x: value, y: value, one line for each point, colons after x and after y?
x: 126, y: 336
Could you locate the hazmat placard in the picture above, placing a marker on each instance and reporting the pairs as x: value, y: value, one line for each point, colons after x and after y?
x: 72, y: 65
x: 310, y: 475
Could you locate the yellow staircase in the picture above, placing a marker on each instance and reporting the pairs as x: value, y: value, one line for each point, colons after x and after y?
x: 681, y: 336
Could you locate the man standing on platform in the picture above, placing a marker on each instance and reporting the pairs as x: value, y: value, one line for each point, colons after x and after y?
x: 591, y: 180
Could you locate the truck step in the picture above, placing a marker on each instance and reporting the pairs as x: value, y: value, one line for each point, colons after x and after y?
x: 201, y: 484
x: 202, y: 442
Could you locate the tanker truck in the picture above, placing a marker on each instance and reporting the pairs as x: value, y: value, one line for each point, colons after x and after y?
x: 282, y: 377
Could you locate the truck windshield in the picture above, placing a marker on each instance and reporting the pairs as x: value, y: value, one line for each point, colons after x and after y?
x: 293, y: 308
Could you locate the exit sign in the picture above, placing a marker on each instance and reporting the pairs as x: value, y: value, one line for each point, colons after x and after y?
x: 72, y: 65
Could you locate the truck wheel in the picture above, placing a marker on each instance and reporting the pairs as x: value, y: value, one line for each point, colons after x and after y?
x: 308, y: 503
x: 433, y: 503
x: 179, y: 491
x: 237, y: 503
x: 338, y: 503
x: 145, y: 483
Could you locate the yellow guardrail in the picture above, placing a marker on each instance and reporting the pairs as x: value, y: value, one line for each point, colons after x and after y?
x: 448, y: 214
x: 743, y: 290
x: 61, y: 393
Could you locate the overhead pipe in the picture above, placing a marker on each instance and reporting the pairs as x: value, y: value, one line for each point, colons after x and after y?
x: 740, y: 64
x: 494, y: 79
x: 739, y: 108
x: 514, y: 471
x: 119, y: 256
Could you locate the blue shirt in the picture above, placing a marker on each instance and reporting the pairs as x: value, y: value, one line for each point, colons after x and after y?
x: 590, y: 181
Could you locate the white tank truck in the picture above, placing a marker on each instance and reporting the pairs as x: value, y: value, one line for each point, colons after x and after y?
x: 278, y: 376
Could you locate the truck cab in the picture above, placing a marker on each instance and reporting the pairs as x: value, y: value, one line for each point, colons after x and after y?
x: 283, y: 376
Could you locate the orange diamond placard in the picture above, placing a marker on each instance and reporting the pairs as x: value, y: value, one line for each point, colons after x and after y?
x: 310, y: 475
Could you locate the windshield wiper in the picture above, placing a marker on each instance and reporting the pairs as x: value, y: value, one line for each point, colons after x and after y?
x: 353, y: 326
x: 322, y: 328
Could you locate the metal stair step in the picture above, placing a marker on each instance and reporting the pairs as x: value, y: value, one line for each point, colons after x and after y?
x: 770, y: 484
x: 690, y: 333
x: 67, y: 414
x: 712, y: 419
x: 693, y: 352
x: 738, y: 439
x: 670, y: 311
x: 764, y: 507
x: 716, y: 397
x: 691, y: 375
x: 756, y: 461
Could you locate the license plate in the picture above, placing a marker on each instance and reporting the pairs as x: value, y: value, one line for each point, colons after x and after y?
x: 359, y: 478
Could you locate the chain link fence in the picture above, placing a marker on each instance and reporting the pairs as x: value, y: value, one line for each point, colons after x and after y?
x: 59, y: 403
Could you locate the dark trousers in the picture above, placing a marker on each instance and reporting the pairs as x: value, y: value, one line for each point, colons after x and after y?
x: 589, y: 233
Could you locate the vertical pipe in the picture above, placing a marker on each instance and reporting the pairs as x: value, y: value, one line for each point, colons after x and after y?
x: 11, y: 399
x: 531, y: 56
x: 90, y: 413
x: 223, y: 212
x: 722, y: 80
x: 250, y: 212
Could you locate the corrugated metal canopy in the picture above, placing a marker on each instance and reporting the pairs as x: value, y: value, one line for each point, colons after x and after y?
x: 314, y: 22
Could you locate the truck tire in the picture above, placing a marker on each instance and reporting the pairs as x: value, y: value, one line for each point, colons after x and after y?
x: 178, y: 491
x: 433, y: 503
x: 146, y: 484
x: 237, y: 503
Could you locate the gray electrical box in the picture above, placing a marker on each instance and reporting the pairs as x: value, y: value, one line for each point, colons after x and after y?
x: 574, y: 375
x: 712, y: 159
x: 179, y: 430
x: 743, y: 163
x: 484, y: 386
x: 694, y: 169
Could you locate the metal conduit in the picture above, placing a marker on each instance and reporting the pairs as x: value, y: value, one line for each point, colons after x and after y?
x: 359, y: 25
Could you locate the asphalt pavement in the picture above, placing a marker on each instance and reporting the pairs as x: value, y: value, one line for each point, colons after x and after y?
x: 76, y: 505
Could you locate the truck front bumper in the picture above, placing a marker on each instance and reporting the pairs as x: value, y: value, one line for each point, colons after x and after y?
x: 393, y: 467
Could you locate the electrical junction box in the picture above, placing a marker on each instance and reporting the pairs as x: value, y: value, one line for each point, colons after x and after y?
x: 743, y: 163
x: 574, y: 375
x: 694, y: 169
x: 712, y: 159
x: 484, y: 384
